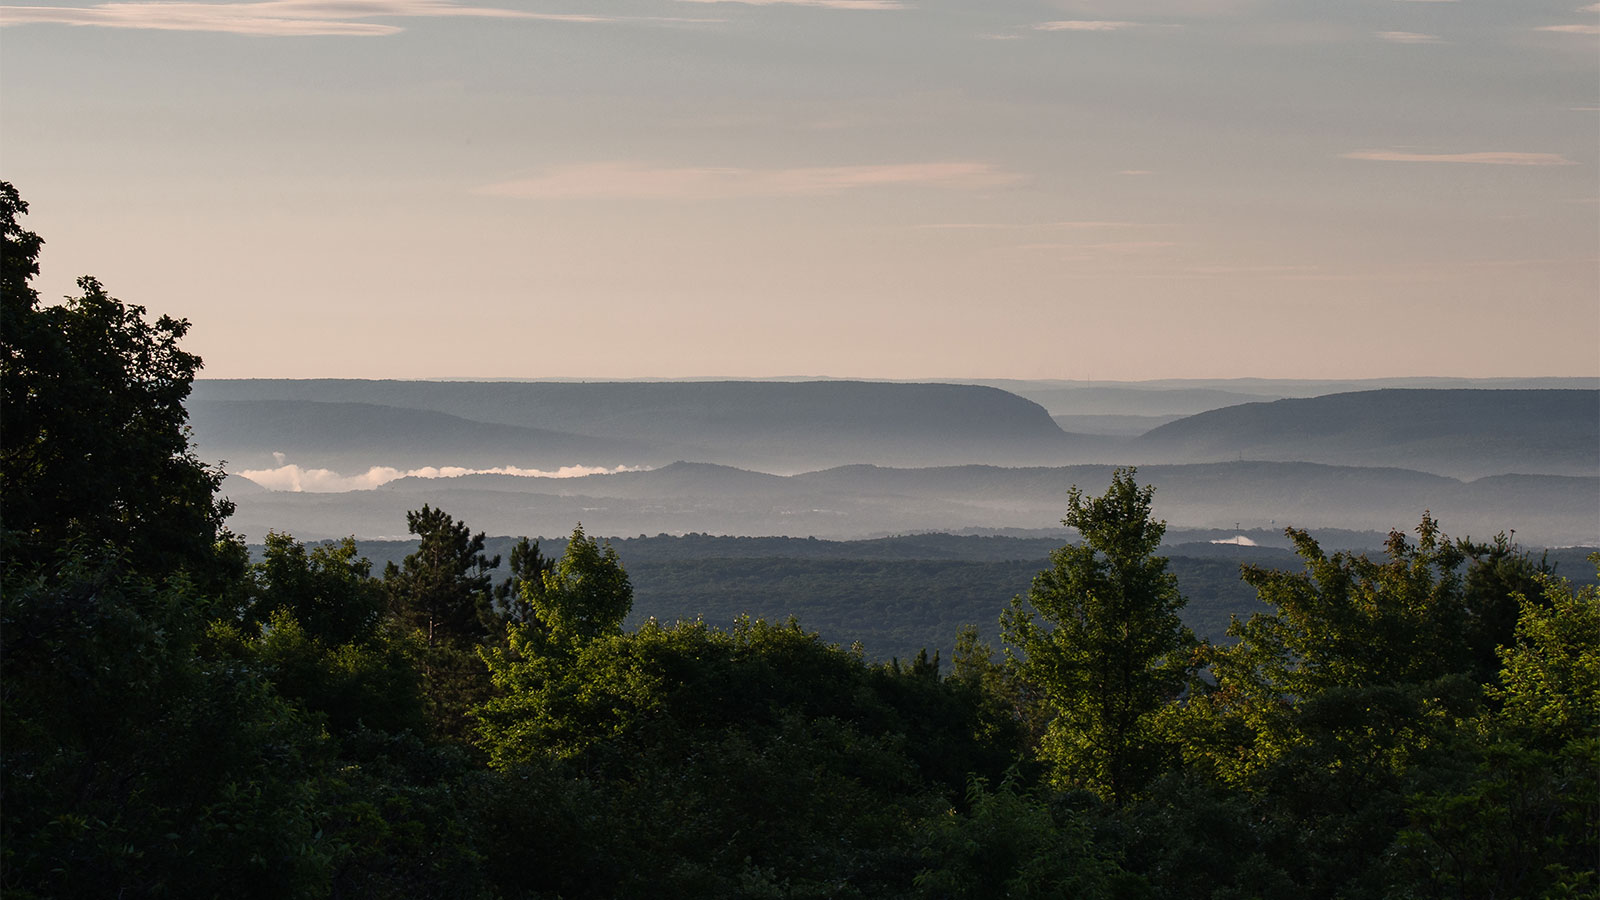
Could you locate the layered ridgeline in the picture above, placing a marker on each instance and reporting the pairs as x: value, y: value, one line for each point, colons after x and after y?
x: 1465, y: 433
x: 859, y: 501
x: 1130, y: 408
x: 772, y: 426
x: 1484, y: 460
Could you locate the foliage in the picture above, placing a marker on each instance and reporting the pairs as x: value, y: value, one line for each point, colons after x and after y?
x: 583, y: 596
x: 443, y: 594
x: 1111, y: 652
x: 1011, y: 845
x: 1500, y: 576
x: 528, y: 570
x: 443, y: 589
x: 136, y: 766
x: 91, y: 406
x: 1527, y: 821
x: 1358, y: 659
x: 328, y: 591
x: 756, y: 761
x: 1549, y: 692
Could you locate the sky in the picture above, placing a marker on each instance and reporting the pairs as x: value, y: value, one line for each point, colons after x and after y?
x: 1072, y: 189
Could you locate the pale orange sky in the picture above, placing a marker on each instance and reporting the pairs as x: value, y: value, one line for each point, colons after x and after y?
x: 1107, y: 189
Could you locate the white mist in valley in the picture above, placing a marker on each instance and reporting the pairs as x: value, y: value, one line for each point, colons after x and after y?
x: 297, y: 479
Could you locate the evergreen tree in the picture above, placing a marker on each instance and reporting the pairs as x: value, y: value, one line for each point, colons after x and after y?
x: 443, y: 589
x: 443, y: 595
x: 528, y: 569
x: 1110, y: 651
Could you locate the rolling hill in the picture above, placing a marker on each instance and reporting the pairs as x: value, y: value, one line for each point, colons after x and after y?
x: 1462, y: 433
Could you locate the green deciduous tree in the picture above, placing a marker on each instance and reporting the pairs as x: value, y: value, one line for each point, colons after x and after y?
x: 1102, y: 644
x: 1526, y: 823
x: 135, y: 765
x: 1008, y: 844
x: 585, y: 595
x: 1357, y: 658
x: 328, y: 590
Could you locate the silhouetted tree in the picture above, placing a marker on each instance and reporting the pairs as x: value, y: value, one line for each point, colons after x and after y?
x: 443, y: 589
x: 93, y: 445
x: 528, y: 569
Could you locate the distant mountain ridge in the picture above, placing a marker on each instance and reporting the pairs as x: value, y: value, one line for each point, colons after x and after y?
x: 1463, y: 433
x: 355, y: 436
x: 779, y: 425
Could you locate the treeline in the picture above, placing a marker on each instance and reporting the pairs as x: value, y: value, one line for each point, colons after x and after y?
x: 179, y: 721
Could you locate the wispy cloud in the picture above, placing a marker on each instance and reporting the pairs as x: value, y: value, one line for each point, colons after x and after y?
x: 296, y: 479
x: 1085, y: 25
x: 1250, y: 270
x: 1136, y: 172
x: 276, y: 18
x: 1409, y: 37
x: 1011, y: 226
x: 1571, y: 29
x: 636, y: 181
x: 1114, y: 247
x: 825, y: 4
x: 1491, y: 158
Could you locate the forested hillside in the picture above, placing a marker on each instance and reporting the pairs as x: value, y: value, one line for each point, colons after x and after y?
x: 181, y: 720
x: 1462, y: 433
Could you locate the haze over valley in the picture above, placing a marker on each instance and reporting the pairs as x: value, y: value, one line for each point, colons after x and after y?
x: 842, y: 459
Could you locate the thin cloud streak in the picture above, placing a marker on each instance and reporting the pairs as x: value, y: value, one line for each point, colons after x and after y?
x: 1117, y: 247
x: 1571, y: 29
x: 1250, y: 270
x: 277, y: 18
x: 1409, y: 37
x: 1009, y: 226
x: 825, y: 4
x: 1085, y: 25
x: 1492, y: 158
x: 634, y: 181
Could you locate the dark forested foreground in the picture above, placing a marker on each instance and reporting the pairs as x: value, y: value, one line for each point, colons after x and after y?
x: 179, y: 721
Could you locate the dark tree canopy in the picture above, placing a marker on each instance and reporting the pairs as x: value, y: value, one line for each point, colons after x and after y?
x: 528, y: 569
x: 93, y: 440
x: 444, y: 589
x: 328, y: 590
